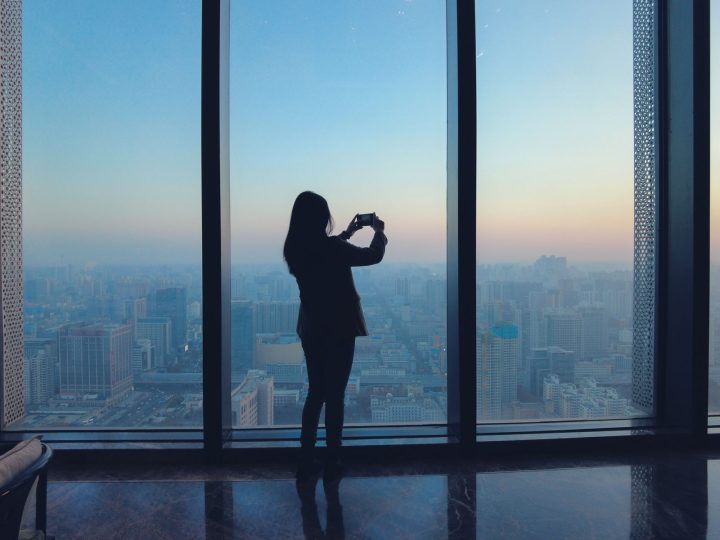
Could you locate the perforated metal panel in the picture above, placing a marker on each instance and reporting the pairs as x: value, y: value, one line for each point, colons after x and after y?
x: 641, y: 501
x: 644, y: 256
x: 11, y: 289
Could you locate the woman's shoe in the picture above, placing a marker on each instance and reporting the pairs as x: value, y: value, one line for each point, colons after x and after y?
x: 307, y: 470
x: 334, y: 469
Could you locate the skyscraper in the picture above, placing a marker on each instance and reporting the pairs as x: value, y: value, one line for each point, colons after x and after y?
x: 594, y: 337
x: 497, y: 362
x: 95, y: 360
x: 135, y: 308
x: 564, y: 329
x: 12, y: 404
x: 142, y: 356
x: 40, y: 369
x: 276, y: 317
x: 546, y: 360
x: 157, y: 330
x: 243, y: 329
x: 172, y: 303
x: 252, y: 401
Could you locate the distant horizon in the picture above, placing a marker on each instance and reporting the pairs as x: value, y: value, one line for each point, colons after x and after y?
x: 571, y: 263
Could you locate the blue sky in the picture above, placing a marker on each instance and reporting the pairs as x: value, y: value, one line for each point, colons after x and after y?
x: 343, y: 97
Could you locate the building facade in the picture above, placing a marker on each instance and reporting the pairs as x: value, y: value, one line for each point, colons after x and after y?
x: 95, y: 361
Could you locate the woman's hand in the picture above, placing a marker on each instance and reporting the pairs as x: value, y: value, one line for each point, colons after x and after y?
x: 378, y: 224
x: 354, y: 226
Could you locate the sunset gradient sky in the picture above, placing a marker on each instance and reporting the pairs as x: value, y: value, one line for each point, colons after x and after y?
x: 344, y: 97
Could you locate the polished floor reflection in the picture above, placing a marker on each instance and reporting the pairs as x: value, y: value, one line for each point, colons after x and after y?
x: 658, y: 496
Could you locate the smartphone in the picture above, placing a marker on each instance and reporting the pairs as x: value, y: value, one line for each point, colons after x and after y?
x: 365, y: 220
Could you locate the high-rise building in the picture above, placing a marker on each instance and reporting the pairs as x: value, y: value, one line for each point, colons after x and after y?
x: 242, y: 341
x: 142, y: 356
x: 564, y: 330
x: 252, y: 401
x: 12, y: 404
x: 135, y: 308
x: 41, y: 369
x: 172, y: 303
x: 39, y: 376
x: 594, y: 336
x: 545, y: 360
x: 272, y: 317
x: 402, y: 289
x: 95, y: 361
x: 497, y: 364
x: 157, y: 330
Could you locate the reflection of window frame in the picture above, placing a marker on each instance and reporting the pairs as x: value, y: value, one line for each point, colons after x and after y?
x: 679, y: 388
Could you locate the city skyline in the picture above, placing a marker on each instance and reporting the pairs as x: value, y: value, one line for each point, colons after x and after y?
x: 553, y: 342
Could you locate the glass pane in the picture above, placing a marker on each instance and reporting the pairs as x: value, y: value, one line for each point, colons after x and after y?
x: 346, y: 99
x: 111, y: 199
x: 565, y: 239
x: 714, y: 389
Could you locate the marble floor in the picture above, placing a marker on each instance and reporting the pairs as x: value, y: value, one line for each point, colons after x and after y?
x: 674, y: 495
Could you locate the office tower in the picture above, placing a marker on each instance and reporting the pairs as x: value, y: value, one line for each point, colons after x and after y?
x: 568, y: 295
x: 533, y: 335
x: 157, y: 330
x: 265, y: 400
x: 41, y: 369
x: 237, y: 287
x: 39, y: 377
x: 252, y: 401
x: 497, y: 361
x: 142, y: 356
x: 594, y: 336
x: 274, y: 317
x: 564, y: 330
x: 12, y: 404
x: 550, y: 360
x: 243, y: 329
x: 435, y: 295
x: 135, y: 308
x: 95, y: 361
x: 172, y: 303
x: 617, y: 299
x: 551, y: 389
x: 402, y: 289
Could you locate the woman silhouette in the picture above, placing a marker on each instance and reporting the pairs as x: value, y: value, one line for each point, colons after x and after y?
x: 330, y: 317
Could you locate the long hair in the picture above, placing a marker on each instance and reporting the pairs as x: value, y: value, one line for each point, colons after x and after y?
x: 310, y: 223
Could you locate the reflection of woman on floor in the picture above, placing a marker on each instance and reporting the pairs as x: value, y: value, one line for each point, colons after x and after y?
x: 308, y: 509
x: 330, y: 317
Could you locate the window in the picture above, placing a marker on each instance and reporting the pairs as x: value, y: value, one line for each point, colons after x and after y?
x: 348, y: 100
x: 101, y: 206
x: 111, y: 215
x: 565, y: 214
x: 714, y: 387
